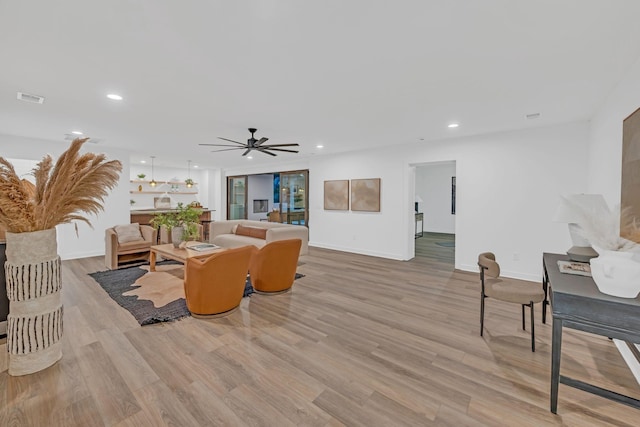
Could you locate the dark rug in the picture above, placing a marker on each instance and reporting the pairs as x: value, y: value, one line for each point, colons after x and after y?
x: 118, y: 282
x: 447, y: 244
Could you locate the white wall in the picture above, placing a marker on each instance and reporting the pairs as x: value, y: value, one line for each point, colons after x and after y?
x: 371, y: 233
x: 605, y: 151
x: 433, y: 185
x: 508, y: 187
x: 88, y: 241
x: 217, y: 194
x: 259, y: 187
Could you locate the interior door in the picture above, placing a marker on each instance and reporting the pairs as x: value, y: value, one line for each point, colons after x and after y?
x: 294, y: 197
x: 237, y: 197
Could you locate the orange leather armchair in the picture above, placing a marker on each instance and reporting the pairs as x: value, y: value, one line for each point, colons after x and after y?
x: 273, y: 267
x: 214, y: 286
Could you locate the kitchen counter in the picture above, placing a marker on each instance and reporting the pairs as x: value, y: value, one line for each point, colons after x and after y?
x: 155, y: 211
x: 144, y: 216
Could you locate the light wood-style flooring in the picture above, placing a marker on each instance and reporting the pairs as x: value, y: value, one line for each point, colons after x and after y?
x: 427, y: 247
x: 360, y: 341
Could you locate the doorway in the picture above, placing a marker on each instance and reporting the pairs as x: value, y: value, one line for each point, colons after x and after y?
x: 435, y: 204
x: 237, y: 197
x: 294, y: 201
x: 275, y: 197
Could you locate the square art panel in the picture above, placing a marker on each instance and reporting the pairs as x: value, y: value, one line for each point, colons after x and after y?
x: 365, y: 195
x: 336, y: 195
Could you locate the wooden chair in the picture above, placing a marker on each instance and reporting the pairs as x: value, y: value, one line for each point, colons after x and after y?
x: 506, y: 290
x: 273, y: 267
x: 215, y: 285
x: 119, y: 250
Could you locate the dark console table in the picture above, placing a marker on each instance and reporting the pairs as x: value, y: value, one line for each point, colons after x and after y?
x: 577, y: 303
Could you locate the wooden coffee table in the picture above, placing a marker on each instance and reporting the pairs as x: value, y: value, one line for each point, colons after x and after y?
x: 178, y: 254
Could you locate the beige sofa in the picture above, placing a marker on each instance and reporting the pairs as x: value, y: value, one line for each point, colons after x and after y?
x: 223, y: 233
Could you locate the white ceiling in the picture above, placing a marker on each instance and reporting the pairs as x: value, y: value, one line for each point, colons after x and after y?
x: 346, y: 74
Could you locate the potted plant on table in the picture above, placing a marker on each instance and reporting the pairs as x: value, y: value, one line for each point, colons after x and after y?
x: 65, y: 192
x: 182, y: 224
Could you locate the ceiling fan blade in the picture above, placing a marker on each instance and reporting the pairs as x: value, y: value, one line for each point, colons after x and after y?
x: 262, y: 140
x: 281, y: 145
x: 227, y: 149
x: 231, y: 140
x: 265, y: 152
x: 246, y: 152
x: 219, y: 145
x: 281, y: 149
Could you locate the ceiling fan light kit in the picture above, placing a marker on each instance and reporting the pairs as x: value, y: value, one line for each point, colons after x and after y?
x: 254, y: 144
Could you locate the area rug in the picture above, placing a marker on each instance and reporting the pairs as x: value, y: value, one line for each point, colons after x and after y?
x: 446, y: 244
x: 151, y: 297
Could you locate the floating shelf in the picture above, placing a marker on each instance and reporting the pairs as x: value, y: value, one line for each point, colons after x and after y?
x: 144, y: 181
x: 179, y: 183
x: 162, y: 192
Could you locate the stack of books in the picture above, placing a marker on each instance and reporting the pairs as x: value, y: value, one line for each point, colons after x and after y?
x: 573, y: 267
x: 203, y: 247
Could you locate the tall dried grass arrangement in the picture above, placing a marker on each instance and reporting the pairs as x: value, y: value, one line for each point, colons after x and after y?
x: 612, y: 230
x: 67, y: 191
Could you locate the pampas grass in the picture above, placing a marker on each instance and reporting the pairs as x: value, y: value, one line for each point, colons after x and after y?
x: 612, y: 230
x: 67, y: 191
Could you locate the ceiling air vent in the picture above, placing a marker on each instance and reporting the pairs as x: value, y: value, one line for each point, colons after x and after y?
x: 34, y: 99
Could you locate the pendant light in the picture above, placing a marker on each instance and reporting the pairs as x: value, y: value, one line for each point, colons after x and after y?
x: 189, y: 181
x: 153, y: 183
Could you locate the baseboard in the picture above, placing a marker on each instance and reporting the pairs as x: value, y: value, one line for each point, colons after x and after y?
x: 76, y: 255
x: 357, y: 251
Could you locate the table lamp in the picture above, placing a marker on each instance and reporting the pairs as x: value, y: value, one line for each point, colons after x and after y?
x: 572, y: 210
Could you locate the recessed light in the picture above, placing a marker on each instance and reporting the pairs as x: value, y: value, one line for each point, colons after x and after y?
x: 143, y: 161
x: 249, y: 157
x: 114, y: 96
x: 196, y: 166
x: 319, y: 146
x: 76, y: 132
x: 453, y: 125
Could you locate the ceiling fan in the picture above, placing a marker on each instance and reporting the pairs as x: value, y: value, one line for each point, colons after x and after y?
x: 254, y: 144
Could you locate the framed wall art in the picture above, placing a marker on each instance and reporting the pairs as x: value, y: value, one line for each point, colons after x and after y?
x: 630, y: 196
x: 336, y: 195
x: 365, y: 195
x: 453, y: 195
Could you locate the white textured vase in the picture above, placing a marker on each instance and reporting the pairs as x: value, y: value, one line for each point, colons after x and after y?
x: 176, y: 235
x: 617, y: 273
x: 34, y: 324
